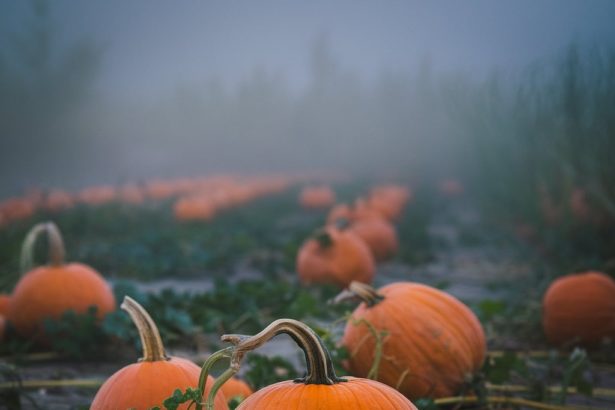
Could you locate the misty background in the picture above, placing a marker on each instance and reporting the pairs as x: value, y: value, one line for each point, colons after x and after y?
x: 108, y: 92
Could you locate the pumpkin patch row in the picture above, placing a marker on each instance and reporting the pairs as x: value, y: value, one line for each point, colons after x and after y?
x: 218, y: 192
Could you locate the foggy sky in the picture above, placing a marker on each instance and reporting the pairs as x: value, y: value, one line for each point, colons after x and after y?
x: 155, y: 45
x: 135, y: 89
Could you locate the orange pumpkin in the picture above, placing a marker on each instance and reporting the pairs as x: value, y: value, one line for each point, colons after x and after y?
x: 49, y: 291
x: 335, y: 256
x: 317, y: 197
x: 58, y: 200
x: 154, y: 378
x: 4, y: 303
x: 431, y: 342
x: 320, y: 388
x: 235, y: 387
x: 379, y: 235
x: 131, y: 194
x: 580, y: 308
x: 196, y: 207
x: 14, y: 209
x: 97, y: 195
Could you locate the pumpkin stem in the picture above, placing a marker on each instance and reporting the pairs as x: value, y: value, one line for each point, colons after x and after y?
x: 318, y: 361
x: 153, y: 349
x: 57, y: 251
x: 230, y: 372
x: 361, y: 291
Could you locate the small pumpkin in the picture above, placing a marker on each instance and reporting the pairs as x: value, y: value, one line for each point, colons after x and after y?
x: 58, y: 200
x: 379, y: 235
x: 235, y: 387
x: 580, y: 308
x: 154, y: 378
x: 317, y: 197
x: 131, y: 194
x: 195, y: 207
x: 320, y: 388
x: 335, y: 256
x: 97, y: 195
x: 432, y: 343
x: 47, y: 292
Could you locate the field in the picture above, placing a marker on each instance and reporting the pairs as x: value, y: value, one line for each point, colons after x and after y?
x: 236, y: 274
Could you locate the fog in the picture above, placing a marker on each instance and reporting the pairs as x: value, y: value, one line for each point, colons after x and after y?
x: 106, y: 92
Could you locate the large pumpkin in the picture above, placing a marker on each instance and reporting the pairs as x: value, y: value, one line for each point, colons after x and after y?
x: 154, y: 378
x: 4, y: 303
x: 429, y: 342
x: 320, y: 388
x: 47, y: 292
x: 580, y: 309
x: 335, y: 256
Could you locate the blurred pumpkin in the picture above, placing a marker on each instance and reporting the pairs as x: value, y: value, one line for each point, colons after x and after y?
x: 15, y: 209
x: 158, y: 189
x: 379, y: 235
x: 317, y: 197
x: 580, y: 309
x: 235, y: 387
x: 154, y: 378
x: 196, y: 207
x: 4, y: 303
x: 432, y: 343
x: 58, y: 200
x: 97, y: 195
x: 131, y: 194
x: 47, y: 292
x: 335, y: 256
x: 320, y: 388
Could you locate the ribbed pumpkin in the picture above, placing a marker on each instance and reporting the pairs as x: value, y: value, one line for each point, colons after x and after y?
x: 47, y: 292
x: 433, y: 342
x: 580, y: 309
x: 235, y: 387
x: 335, y: 256
x: 320, y: 388
x: 154, y: 378
x: 317, y: 197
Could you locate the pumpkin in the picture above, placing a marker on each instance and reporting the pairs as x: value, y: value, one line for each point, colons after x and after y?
x: 47, y: 292
x: 57, y: 200
x: 379, y: 235
x: 97, y: 195
x: 335, y: 256
x: 320, y: 388
x: 131, y: 194
x: 432, y: 343
x: 235, y: 387
x: 196, y: 207
x: 317, y: 197
x: 14, y: 209
x: 4, y: 303
x: 580, y: 308
x: 154, y: 378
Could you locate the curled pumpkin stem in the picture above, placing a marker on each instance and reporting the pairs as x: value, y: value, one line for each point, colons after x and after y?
x: 57, y: 251
x: 318, y: 361
x: 153, y: 348
x: 361, y: 292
